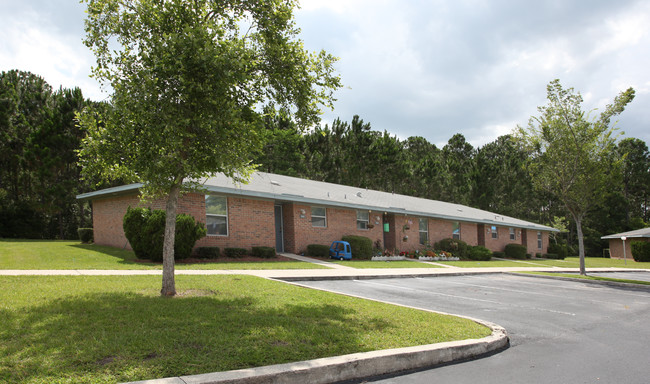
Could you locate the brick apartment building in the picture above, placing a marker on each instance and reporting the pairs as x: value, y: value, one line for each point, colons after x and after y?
x: 290, y: 213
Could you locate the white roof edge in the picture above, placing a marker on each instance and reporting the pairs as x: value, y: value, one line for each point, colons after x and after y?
x: 110, y: 191
x: 637, y: 233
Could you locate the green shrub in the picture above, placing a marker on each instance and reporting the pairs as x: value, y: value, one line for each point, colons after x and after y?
x: 145, y: 230
x: 559, y: 249
x: 529, y: 256
x: 318, y: 250
x: 361, y: 247
x: 640, y: 251
x: 264, y: 252
x: 208, y: 252
x: 188, y: 232
x: 553, y: 256
x: 85, y: 235
x: 479, y: 253
x: 133, y: 224
x: 235, y: 253
x: 538, y: 255
x: 457, y: 248
x: 515, y: 251
x: 499, y: 255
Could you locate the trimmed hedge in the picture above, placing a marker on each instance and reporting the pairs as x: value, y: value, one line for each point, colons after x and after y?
x: 515, y: 251
x: 479, y: 253
x: 553, y: 256
x: 499, y: 255
x: 264, y: 252
x: 318, y: 250
x: 559, y: 249
x: 208, y: 252
x: 145, y: 230
x: 235, y: 253
x: 640, y: 251
x: 361, y: 247
x: 85, y: 235
x: 456, y: 247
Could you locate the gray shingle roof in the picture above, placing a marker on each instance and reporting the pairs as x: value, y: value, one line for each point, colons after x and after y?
x: 291, y: 189
x: 643, y: 232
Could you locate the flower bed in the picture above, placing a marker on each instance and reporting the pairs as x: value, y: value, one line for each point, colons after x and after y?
x: 438, y: 258
x: 388, y: 258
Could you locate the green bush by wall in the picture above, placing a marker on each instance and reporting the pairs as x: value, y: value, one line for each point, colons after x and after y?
x: 264, y: 252
x: 515, y: 251
x: 235, y: 253
x: 208, y: 252
x: 456, y: 247
x: 479, y: 253
x: 85, y: 235
x: 318, y: 250
x: 640, y: 251
x: 145, y: 230
x: 361, y: 247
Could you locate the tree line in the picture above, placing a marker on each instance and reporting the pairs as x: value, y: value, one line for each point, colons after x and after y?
x: 493, y: 177
x: 40, y: 175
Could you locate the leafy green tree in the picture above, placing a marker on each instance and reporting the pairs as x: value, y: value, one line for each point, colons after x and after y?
x: 189, y: 80
x: 423, y: 163
x: 502, y: 183
x: 459, y: 160
x: 636, y: 178
x: 572, y: 153
x: 283, y: 151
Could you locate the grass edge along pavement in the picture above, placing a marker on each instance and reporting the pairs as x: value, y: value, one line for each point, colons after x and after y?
x: 72, y: 255
x: 105, y: 329
x: 590, y: 279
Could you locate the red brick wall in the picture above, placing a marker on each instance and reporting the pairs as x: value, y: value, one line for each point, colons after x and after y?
x: 531, y: 242
x: 499, y: 244
x: 340, y: 222
x: 107, y: 219
x: 616, y: 247
x: 250, y: 222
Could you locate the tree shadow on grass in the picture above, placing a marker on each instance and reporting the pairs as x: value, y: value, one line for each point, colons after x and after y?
x: 125, y: 256
x: 108, y: 337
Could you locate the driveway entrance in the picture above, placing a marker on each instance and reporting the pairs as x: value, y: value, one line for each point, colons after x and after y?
x: 560, y: 331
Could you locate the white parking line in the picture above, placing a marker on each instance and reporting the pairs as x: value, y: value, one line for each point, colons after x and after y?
x: 464, y: 297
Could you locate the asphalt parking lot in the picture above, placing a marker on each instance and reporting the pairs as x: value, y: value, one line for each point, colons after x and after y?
x: 560, y: 331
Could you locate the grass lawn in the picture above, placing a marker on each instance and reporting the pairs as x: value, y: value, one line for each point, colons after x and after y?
x: 49, y: 254
x: 569, y: 262
x: 363, y: 264
x: 598, y: 278
x: 106, y: 329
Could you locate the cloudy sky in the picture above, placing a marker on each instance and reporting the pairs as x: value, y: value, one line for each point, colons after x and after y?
x: 414, y: 67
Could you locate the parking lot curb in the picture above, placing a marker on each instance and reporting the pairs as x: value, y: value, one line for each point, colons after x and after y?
x: 617, y: 284
x: 355, y: 366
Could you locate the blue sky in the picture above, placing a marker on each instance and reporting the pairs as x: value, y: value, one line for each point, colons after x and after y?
x: 414, y: 68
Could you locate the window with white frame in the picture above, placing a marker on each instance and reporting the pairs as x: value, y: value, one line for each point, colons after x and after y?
x: 216, y: 212
x: 318, y: 217
x: 363, y: 218
x: 455, y: 232
x: 495, y: 232
x: 424, y: 231
x: 513, y: 235
x: 539, y: 240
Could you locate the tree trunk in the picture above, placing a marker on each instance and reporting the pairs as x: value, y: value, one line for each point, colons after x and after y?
x: 168, y: 283
x: 581, y: 244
